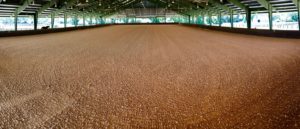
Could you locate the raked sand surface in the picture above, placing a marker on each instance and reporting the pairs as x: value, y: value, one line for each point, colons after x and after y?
x: 149, y: 76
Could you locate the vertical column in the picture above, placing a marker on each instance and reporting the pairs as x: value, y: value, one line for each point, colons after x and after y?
x: 219, y: 19
x: 270, y: 16
x: 16, y: 21
x: 52, y: 20
x: 100, y: 20
x: 231, y: 18
x: 35, y: 20
x: 76, y: 20
x: 189, y: 16
x: 210, y: 20
x: 298, y: 7
x: 91, y: 20
x: 83, y: 20
x: 203, y: 18
x: 65, y: 20
x: 248, y: 18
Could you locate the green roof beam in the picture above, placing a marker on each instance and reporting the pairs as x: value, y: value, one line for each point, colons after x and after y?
x: 46, y: 6
x: 23, y: 7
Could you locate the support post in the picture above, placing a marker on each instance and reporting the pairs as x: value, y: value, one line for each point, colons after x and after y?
x: 210, y: 20
x: 231, y: 18
x: 91, y: 21
x: 65, y: 20
x: 270, y: 16
x: 203, y: 19
x: 298, y: 7
x: 35, y: 20
x: 101, y: 20
x: 16, y: 21
x: 189, y: 16
x: 219, y: 19
x: 76, y: 20
x: 83, y: 20
x: 248, y: 18
x: 52, y: 20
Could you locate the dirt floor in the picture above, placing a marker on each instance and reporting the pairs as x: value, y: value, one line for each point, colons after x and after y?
x: 143, y: 76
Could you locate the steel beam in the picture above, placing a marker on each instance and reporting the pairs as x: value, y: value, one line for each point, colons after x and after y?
x: 52, y: 20
x: 248, y: 18
x: 298, y: 7
x: 76, y: 20
x: 210, y: 19
x: 23, y: 7
x: 16, y: 21
x: 238, y: 4
x: 66, y: 6
x: 264, y: 3
x: 83, y: 20
x: 231, y: 18
x: 35, y: 20
x: 220, y: 18
x: 46, y: 6
x: 65, y: 20
x: 297, y: 3
x: 203, y: 18
x: 270, y: 17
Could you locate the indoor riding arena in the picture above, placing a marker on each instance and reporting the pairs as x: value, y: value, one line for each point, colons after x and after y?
x: 149, y: 64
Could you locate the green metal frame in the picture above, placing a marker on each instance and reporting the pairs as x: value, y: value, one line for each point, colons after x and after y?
x: 186, y: 8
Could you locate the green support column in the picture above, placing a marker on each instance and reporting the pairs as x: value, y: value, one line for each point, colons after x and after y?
x: 52, y: 20
x: 76, y: 20
x: 298, y: 7
x: 83, y: 20
x: 16, y: 21
x: 270, y: 17
x: 210, y: 20
x: 100, y: 18
x: 248, y: 18
x: 231, y: 18
x: 203, y: 18
x: 65, y: 20
x: 91, y: 20
x: 189, y: 16
x: 219, y: 18
x: 35, y: 20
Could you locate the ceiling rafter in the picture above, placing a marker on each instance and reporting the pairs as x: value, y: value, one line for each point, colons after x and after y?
x: 238, y: 4
x: 46, y: 6
x: 26, y: 3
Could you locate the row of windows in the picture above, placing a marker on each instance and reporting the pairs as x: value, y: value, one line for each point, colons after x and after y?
x: 166, y: 19
x: 280, y: 21
x: 27, y: 22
